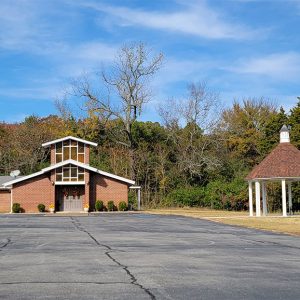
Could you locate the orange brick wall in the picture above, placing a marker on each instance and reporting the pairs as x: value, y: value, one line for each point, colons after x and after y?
x: 34, y: 191
x: 106, y: 189
x: 40, y: 190
x: 4, y: 201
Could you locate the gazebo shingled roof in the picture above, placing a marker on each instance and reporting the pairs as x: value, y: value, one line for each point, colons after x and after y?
x: 282, y: 162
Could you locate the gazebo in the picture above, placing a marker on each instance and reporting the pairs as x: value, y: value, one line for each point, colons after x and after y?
x: 283, y: 165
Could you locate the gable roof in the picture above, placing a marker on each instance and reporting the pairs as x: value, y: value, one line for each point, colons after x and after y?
x: 4, y: 179
x: 69, y: 138
x: 73, y: 162
x: 282, y: 162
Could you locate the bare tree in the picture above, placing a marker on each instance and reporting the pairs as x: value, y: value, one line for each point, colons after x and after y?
x: 129, y: 78
x: 191, y: 123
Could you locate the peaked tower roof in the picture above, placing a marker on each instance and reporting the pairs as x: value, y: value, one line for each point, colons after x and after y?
x: 282, y: 162
x: 69, y: 138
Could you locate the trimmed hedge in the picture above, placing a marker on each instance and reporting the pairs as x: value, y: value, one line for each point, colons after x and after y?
x: 99, y: 205
x: 16, y: 208
x: 41, y: 207
x: 110, y: 205
x: 123, y: 206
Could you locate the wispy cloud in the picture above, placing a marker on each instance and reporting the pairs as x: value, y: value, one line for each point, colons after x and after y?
x: 279, y: 65
x: 23, y: 29
x: 193, y: 19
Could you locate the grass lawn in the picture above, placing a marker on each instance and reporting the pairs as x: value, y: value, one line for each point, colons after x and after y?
x: 273, y: 222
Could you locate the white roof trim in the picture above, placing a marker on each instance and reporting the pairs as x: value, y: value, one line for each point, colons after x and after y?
x: 5, y: 188
x: 69, y: 138
x: 274, y: 178
x: 22, y: 178
x: 73, y: 162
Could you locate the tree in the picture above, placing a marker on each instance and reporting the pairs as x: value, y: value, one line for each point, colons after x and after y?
x: 271, y: 131
x: 294, y: 122
x: 191, y: 124
x: 129, y: 79
x: 242, y: 128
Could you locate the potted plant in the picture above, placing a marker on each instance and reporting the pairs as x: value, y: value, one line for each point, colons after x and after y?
x: 86, y: 207
x: 51, y: 208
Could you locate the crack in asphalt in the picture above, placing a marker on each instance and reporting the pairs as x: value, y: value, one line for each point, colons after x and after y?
x: 108, y: 251
x: 7, y: 242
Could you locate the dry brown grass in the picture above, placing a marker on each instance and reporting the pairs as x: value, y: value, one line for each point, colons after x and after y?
x: 289, y: 225
x: 197, y: 212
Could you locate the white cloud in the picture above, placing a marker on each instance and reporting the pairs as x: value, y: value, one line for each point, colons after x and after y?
x: 84, y: 57
x: 197, y: 19
x: 21, y: 28
x: 279, y: 65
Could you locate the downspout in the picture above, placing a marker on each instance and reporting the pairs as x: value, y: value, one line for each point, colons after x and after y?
x: 11, y: 199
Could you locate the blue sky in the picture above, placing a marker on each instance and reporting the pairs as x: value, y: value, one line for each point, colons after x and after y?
x: 241, y: 48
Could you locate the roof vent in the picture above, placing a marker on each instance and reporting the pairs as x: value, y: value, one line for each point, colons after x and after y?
x: 285, y: 134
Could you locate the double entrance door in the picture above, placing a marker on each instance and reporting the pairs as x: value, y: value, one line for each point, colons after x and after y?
x: 71, y: 198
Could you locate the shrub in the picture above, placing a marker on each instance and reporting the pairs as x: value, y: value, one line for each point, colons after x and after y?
x: 227, y: 195
x: 41, y: 207
x: 110, y: 205
x: 99, y: 205
x: 16, y: 208
x: 193, y: 196
x: 122, y: 206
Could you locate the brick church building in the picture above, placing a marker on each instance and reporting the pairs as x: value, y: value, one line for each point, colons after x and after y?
x: 68, y: 184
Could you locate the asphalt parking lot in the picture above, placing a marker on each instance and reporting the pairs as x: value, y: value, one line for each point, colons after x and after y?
x: 139, y: 256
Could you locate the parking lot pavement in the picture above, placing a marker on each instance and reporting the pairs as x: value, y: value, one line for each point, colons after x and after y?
x: 140, y: 256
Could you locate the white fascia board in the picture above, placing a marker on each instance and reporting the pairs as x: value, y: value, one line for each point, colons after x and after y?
x: 88, y: 167
x: 23, y: 178
x: 61, y: 164
x: 137, y: 187
x: 115, y: 177
x: 275, y: 178
x: 72, y: 162
x: 69, y: 182
x: 5, y: 188
x: 69, y: 138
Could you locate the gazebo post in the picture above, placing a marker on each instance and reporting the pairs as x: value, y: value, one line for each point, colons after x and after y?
x: 283, y: 188
x: 257, y: 198
x: 250, y: 199
x: 264, y: 198
x: 290, y: 197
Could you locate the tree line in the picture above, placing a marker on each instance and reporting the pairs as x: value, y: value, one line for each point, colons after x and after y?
x: 198, y: 155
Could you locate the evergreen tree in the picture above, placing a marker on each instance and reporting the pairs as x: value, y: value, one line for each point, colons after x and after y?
x: 294, y: 122
x: 272, y: 128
